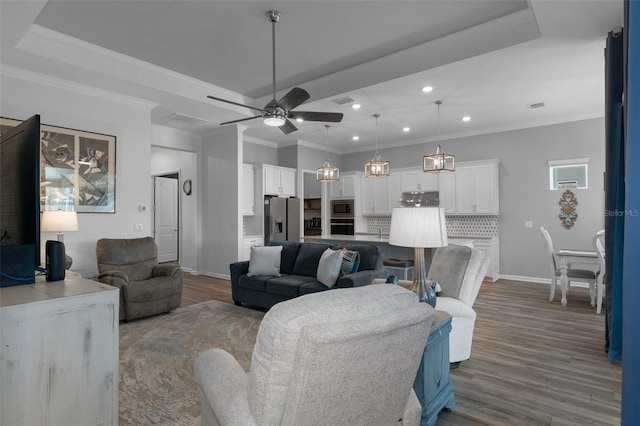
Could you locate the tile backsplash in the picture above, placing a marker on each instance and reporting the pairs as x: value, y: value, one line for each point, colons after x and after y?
x: 457, y: 226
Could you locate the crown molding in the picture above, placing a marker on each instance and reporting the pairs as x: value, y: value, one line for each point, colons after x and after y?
x: 257, y: 141
x: 47, y: 80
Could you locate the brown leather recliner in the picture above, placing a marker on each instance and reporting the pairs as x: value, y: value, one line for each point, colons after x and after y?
x: 146, y: 287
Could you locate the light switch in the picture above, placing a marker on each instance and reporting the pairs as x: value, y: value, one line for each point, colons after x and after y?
x: 137, y: 227
x: 528, y: 224
x: 142, y: 207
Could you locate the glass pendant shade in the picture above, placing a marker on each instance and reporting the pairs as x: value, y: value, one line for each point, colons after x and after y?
x: 438, y: 162
x: 377, y: 167
x: 327, y: 173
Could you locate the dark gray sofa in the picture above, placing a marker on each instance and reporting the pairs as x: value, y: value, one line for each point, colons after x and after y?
x: 298, y: 266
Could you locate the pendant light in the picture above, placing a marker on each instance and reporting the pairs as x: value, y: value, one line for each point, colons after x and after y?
x: 327, y: 173
x: 377, y: 167
x: 439, y: 161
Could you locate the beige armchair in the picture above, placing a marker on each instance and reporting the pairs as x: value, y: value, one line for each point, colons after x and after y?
x: 146, y: 288
x: 340, y: 357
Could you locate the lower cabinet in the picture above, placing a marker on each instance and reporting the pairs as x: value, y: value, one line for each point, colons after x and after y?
x: 433, y: 382
x: 59, y: 363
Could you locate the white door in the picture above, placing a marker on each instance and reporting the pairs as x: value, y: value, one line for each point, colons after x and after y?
x: 166, y: 218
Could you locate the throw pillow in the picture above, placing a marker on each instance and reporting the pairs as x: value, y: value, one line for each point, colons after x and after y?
x: 264, y: 261
x: 329, y: 267
x: 350, y: 261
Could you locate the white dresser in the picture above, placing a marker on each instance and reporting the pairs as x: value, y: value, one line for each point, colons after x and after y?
x: 59, y: 356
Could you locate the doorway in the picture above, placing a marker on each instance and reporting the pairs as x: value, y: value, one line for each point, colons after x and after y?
x: 166, y: 224
x: 312, y: 203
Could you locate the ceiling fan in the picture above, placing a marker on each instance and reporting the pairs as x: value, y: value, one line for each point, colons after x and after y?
x: 277, y: 113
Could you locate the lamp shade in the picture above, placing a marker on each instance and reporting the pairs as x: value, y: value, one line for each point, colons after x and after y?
x: 418, y: 227
x: 59, y: 221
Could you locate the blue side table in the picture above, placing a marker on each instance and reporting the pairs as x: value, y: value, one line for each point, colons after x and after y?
x: 433, y: 383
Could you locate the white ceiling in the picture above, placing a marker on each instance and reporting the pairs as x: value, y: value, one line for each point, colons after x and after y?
x: 485, y: 59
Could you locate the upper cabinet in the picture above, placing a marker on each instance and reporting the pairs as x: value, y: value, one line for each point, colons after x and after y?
x: 375, y: 200
x: 279, y: 181
x: 248, y: 190
x: 447, y: 190
x: 417, y: 180
x: 345, y: 187
x: 476, y: 188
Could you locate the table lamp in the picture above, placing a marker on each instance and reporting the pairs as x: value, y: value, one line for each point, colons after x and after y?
x: 420, y: 228
x: 60, y: 221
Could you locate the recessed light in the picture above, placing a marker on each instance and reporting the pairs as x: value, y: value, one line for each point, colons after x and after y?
x: 427, y: 89
x: 406, y: 129
x: 299, y: 120
x: 466, y: 118
x: 355, y: 138
x: 356, y: 106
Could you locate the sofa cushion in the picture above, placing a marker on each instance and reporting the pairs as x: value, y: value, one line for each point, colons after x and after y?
x: 287, y: 285
x: 256, y: 283
x: 308, y: 259
x: 265, y: 261
x: 369, y: 255
x: 329, y: 267
x: 288, y: 256
x: 311, y: 287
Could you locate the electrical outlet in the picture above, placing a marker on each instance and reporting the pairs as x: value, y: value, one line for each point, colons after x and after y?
x: 528, y: 224
x: 138, y: 227
x: 142, y: 207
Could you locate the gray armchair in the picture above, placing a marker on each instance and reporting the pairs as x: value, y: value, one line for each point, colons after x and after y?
x: 343, y: 357
x: 146, y: 288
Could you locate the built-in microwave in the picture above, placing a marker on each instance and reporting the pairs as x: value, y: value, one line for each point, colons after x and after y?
x: 342, y: 208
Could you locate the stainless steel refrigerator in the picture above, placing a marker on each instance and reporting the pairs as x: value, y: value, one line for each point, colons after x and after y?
x: 281, y: 219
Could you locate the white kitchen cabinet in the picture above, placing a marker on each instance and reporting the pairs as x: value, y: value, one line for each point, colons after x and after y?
x: 374, y: 197
x: 248, y: 242
x: 447, y: 190
x: 394, y: 191
x: 491, y: 248
x: 345, y: 187
x: 278, y: 181
x: 476, y: 188
x: 248, y: 190
x: 418, y: 180
x: 59, y: 363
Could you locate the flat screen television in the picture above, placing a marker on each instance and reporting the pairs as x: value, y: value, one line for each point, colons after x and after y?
x: 20, y: 203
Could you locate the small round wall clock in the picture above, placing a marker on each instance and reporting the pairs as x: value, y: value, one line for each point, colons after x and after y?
x: 186, y: 186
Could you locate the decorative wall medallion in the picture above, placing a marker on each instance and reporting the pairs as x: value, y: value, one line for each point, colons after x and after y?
x: 568, y: 214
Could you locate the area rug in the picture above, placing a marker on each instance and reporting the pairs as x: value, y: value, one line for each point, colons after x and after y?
x: 157, y: 386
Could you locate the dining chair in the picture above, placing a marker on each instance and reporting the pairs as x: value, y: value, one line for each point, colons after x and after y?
x: 598, y: 245
x: 573, y: 275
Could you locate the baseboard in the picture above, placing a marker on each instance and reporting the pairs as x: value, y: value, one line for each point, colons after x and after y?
x: 214, y: 275
x: 537, y: 280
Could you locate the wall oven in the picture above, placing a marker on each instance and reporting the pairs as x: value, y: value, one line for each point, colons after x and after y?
x: 342, y: 226
x: 342, y: 208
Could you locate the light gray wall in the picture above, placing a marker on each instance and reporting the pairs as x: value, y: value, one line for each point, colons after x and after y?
x: 311, y: 158
x: 259, y: 154
x: 312, y: 188
x: 524, y: 186
x: 92, y: 110
x: 288, y: 156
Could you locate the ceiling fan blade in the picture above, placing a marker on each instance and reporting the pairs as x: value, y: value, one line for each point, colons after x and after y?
x: 242, y: 119
x: 288, y: 127
x: 295, y: 97
x: 234, y: 103
x: 331, y: 117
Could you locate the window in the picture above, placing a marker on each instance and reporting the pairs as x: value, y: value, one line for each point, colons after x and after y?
x: 568, y: 174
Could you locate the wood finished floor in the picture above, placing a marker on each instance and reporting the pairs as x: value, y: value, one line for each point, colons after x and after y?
x: 533, y: 362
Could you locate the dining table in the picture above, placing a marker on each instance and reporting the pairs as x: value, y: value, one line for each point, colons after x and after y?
x: 566, y: 256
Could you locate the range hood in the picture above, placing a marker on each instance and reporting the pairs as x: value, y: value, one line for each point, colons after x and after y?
x: 420, y: 199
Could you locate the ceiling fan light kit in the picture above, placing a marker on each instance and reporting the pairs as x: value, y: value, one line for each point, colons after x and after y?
x: 438, y: 161
x: 278, y: 112
x: 377, y: 167
x: 328, y: 172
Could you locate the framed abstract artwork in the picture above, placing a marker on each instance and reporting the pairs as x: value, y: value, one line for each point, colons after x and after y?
x: 77, y: 169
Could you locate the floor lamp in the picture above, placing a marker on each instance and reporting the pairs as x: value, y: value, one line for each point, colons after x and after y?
x: 420, y: 228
